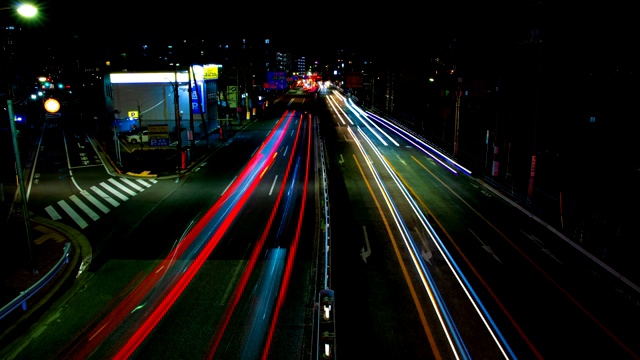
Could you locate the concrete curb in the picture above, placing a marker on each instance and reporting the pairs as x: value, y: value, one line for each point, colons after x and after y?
x: 81, y: 244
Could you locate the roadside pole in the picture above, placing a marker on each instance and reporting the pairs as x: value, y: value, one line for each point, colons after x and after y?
x: 23, y: 193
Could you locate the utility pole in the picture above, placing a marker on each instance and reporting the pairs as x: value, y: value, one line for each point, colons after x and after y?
x: 140, y: 122
x: 117, y: 145
x: 238, y: 95
x: 200, y: 107
x: 176, y: 104
x: 537, y: 42
x: 23, y: 193
x: 139, y: 116
x: 373, y: 92
x: 191, y: 125
x: 457, y: 123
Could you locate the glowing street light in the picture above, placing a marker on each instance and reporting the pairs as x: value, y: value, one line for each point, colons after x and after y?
x: 24, y: 10
x: 27, y: 10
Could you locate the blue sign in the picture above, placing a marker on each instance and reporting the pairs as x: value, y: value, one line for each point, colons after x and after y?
x: 159, y: 142
x: 196, y: 92
x: 276, y: 80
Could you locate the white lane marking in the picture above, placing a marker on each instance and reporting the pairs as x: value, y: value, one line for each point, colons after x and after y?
x: 486, y: 247
x: 228, y: 186
x: 105, y: 196
x: 53, y: 213
x: 132, y: 184
x: 92, y: 214
x: 141, y: 181
x: 95, y: 202
x: 114, y: 191
x: 122, y: 187
x: 74, y: 215
x: 273, y: 184
x: 365, y: 253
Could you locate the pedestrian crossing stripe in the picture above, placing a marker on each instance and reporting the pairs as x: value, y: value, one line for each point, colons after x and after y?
x: 95, y: 201
x: 122, y: 187
x: 53, y: 213
x: 145, y: 183
x: 99, y: 199
x: 132, y: 184
x: 74, y: 215
x: 87, y: 210
x: 104, y: 196
x: 114, y: 192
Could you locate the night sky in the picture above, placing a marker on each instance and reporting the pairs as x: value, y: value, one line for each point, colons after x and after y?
x: 311, y: 26
x: 589, y: 53
x: 586, y: 36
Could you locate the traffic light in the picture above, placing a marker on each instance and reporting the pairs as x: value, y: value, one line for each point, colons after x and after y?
x: 45, y: 82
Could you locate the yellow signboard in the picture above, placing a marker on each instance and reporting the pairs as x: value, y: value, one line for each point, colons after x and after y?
x: 210, y: 72
x: 158, y: 135
x: 132, y: 114
x: 158, y: 131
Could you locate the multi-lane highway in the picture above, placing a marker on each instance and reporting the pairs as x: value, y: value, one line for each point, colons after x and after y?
x: 429, y: 263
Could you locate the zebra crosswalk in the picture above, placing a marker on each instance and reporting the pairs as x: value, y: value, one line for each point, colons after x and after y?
x: 98, y: 200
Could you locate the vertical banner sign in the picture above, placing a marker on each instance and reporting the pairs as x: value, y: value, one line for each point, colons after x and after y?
x: 232, y: 96
x: 196, y: 91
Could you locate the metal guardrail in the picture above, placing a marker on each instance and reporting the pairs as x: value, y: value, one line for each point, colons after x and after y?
x: 21, y: 300
x: 325, y: 321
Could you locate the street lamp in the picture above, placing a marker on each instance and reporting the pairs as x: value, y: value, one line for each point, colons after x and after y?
x: 24, y: 10
x: 27, y: 10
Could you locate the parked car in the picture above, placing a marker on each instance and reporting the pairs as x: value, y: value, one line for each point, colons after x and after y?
x: 142, y: 136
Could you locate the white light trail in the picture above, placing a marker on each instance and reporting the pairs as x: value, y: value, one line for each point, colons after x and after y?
x: 419, y: 262
x: 431, y: 291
